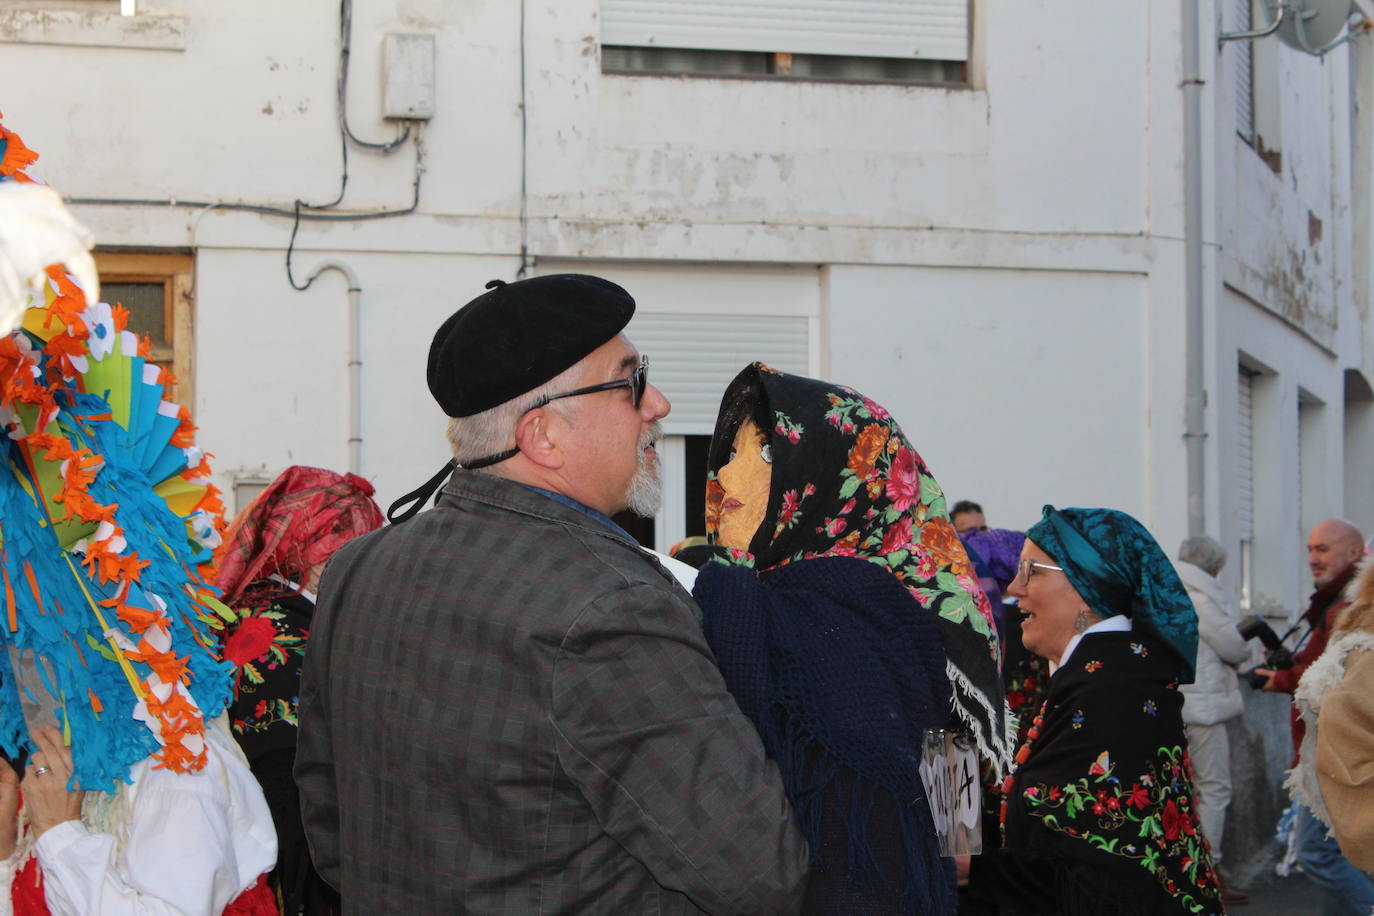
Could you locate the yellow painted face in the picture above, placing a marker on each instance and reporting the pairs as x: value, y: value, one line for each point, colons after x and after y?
x: 745, y: 480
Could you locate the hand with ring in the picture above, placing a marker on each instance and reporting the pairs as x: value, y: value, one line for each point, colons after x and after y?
x: 45, y: 784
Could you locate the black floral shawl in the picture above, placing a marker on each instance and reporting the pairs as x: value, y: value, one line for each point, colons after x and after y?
x: 1103, y: 801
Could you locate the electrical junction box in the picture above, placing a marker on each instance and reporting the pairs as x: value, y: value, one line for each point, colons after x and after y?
x: 409, y: 87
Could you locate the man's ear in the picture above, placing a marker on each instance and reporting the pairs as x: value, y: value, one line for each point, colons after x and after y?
x: 532, y: 434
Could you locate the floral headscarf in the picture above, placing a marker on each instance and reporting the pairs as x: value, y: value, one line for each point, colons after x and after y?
x: 847, y: 482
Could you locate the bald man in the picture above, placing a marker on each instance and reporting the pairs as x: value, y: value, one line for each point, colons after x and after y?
x: 1333, y: 548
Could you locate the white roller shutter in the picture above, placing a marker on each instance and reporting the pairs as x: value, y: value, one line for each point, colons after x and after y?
x: 1303, y: 446
x: 1245, y: 455
x: 923, y: 29
x: 693, y: 357
x: 1245, y: 70
x: 1245, y: 482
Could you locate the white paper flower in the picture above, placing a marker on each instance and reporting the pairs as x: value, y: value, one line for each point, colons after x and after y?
x: 202, y: 528
x: 100, y: 324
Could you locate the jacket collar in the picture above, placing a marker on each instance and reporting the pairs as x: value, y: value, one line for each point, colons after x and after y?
x: 1328, y: 594
x: 527, y: 500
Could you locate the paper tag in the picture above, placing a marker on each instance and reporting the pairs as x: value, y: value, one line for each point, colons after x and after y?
x: 949, y: 770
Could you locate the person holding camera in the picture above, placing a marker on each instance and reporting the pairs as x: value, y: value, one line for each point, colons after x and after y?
x: 1333, y: 549
x: 1214, y: 696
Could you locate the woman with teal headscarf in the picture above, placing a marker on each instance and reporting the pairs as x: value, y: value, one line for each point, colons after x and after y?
x: 1099, y: 814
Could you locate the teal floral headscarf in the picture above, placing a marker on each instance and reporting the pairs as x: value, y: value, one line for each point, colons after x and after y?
x: 1117, y: 568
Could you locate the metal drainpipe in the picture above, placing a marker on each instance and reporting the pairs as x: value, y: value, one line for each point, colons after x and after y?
x: 1195, y: 432
x: 355, y: 360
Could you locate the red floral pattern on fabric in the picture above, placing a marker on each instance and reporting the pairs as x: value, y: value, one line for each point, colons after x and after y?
x: 1159, y: 803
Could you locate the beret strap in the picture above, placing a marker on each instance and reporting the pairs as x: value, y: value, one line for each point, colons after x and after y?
x: 419, y: 496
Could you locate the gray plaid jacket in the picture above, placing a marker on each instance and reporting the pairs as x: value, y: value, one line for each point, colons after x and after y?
x: 508, y: 708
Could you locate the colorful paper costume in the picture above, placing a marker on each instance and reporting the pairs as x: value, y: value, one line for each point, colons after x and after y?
x: 108, y: 522
x: 106, y: 512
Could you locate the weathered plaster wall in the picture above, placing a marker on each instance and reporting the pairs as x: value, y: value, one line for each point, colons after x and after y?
x: 1031, y: 226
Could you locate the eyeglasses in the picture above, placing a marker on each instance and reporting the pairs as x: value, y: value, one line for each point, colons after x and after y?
x: 1028, y: 568
x: 637, y: 381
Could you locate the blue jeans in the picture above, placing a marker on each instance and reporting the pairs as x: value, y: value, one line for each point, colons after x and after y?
x: 1349, y: 891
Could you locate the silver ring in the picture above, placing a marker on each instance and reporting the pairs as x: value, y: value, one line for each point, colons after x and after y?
x: 39, y: 771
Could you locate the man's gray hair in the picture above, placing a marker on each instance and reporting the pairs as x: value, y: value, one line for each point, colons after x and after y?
x: 1204, y: 552
x: 493, y: 430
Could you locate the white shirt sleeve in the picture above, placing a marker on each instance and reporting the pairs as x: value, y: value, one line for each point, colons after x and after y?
x: 7, y: 870
x: 195, y: 841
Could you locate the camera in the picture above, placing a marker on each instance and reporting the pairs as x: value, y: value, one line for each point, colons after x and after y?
x: 1276, y: 655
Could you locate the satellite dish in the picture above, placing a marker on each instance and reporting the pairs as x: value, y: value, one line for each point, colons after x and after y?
x: 1311, y: 25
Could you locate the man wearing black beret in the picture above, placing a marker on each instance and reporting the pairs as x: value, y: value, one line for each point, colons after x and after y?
x: 507, y: 705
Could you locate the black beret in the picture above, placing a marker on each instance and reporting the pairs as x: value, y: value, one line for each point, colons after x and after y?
x: 516, y: 336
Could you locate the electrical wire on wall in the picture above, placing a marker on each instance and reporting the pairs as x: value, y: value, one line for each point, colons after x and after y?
x: 302, y: 210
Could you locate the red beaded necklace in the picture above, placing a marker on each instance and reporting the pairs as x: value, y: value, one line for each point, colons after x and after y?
x: 1022, y: 755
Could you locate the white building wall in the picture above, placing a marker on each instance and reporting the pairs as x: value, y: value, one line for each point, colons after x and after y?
x: 1289, y: 300
x: 1019, y: 388
x: 1001, y: 264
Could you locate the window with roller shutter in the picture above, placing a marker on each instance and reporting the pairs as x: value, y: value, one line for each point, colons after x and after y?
x: 905, y: 41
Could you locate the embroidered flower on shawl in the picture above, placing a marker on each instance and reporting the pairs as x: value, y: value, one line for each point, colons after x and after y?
x: 788, y: 429
x: 787, y: 515
x: 898, y: 535
x: 939, y: 537
x: 1171, y: 821
x: 875, y: 410
x: 252, y: 638
x: 904, y: 481
x: 864, y: 455
x: 1159, y: 811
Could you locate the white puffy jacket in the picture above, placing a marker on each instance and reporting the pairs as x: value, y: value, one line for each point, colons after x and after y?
x: 1214, y: 695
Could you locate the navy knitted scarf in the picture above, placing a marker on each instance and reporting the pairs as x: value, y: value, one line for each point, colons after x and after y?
x: 841, y: 670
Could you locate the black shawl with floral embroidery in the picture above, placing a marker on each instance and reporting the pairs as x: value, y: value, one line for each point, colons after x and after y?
x: 1101, y: 813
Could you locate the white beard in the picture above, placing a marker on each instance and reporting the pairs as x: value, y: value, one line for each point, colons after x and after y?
x: 645, y: 495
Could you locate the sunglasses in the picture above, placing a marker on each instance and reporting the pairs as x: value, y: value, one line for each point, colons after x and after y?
x: 637, y: 381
